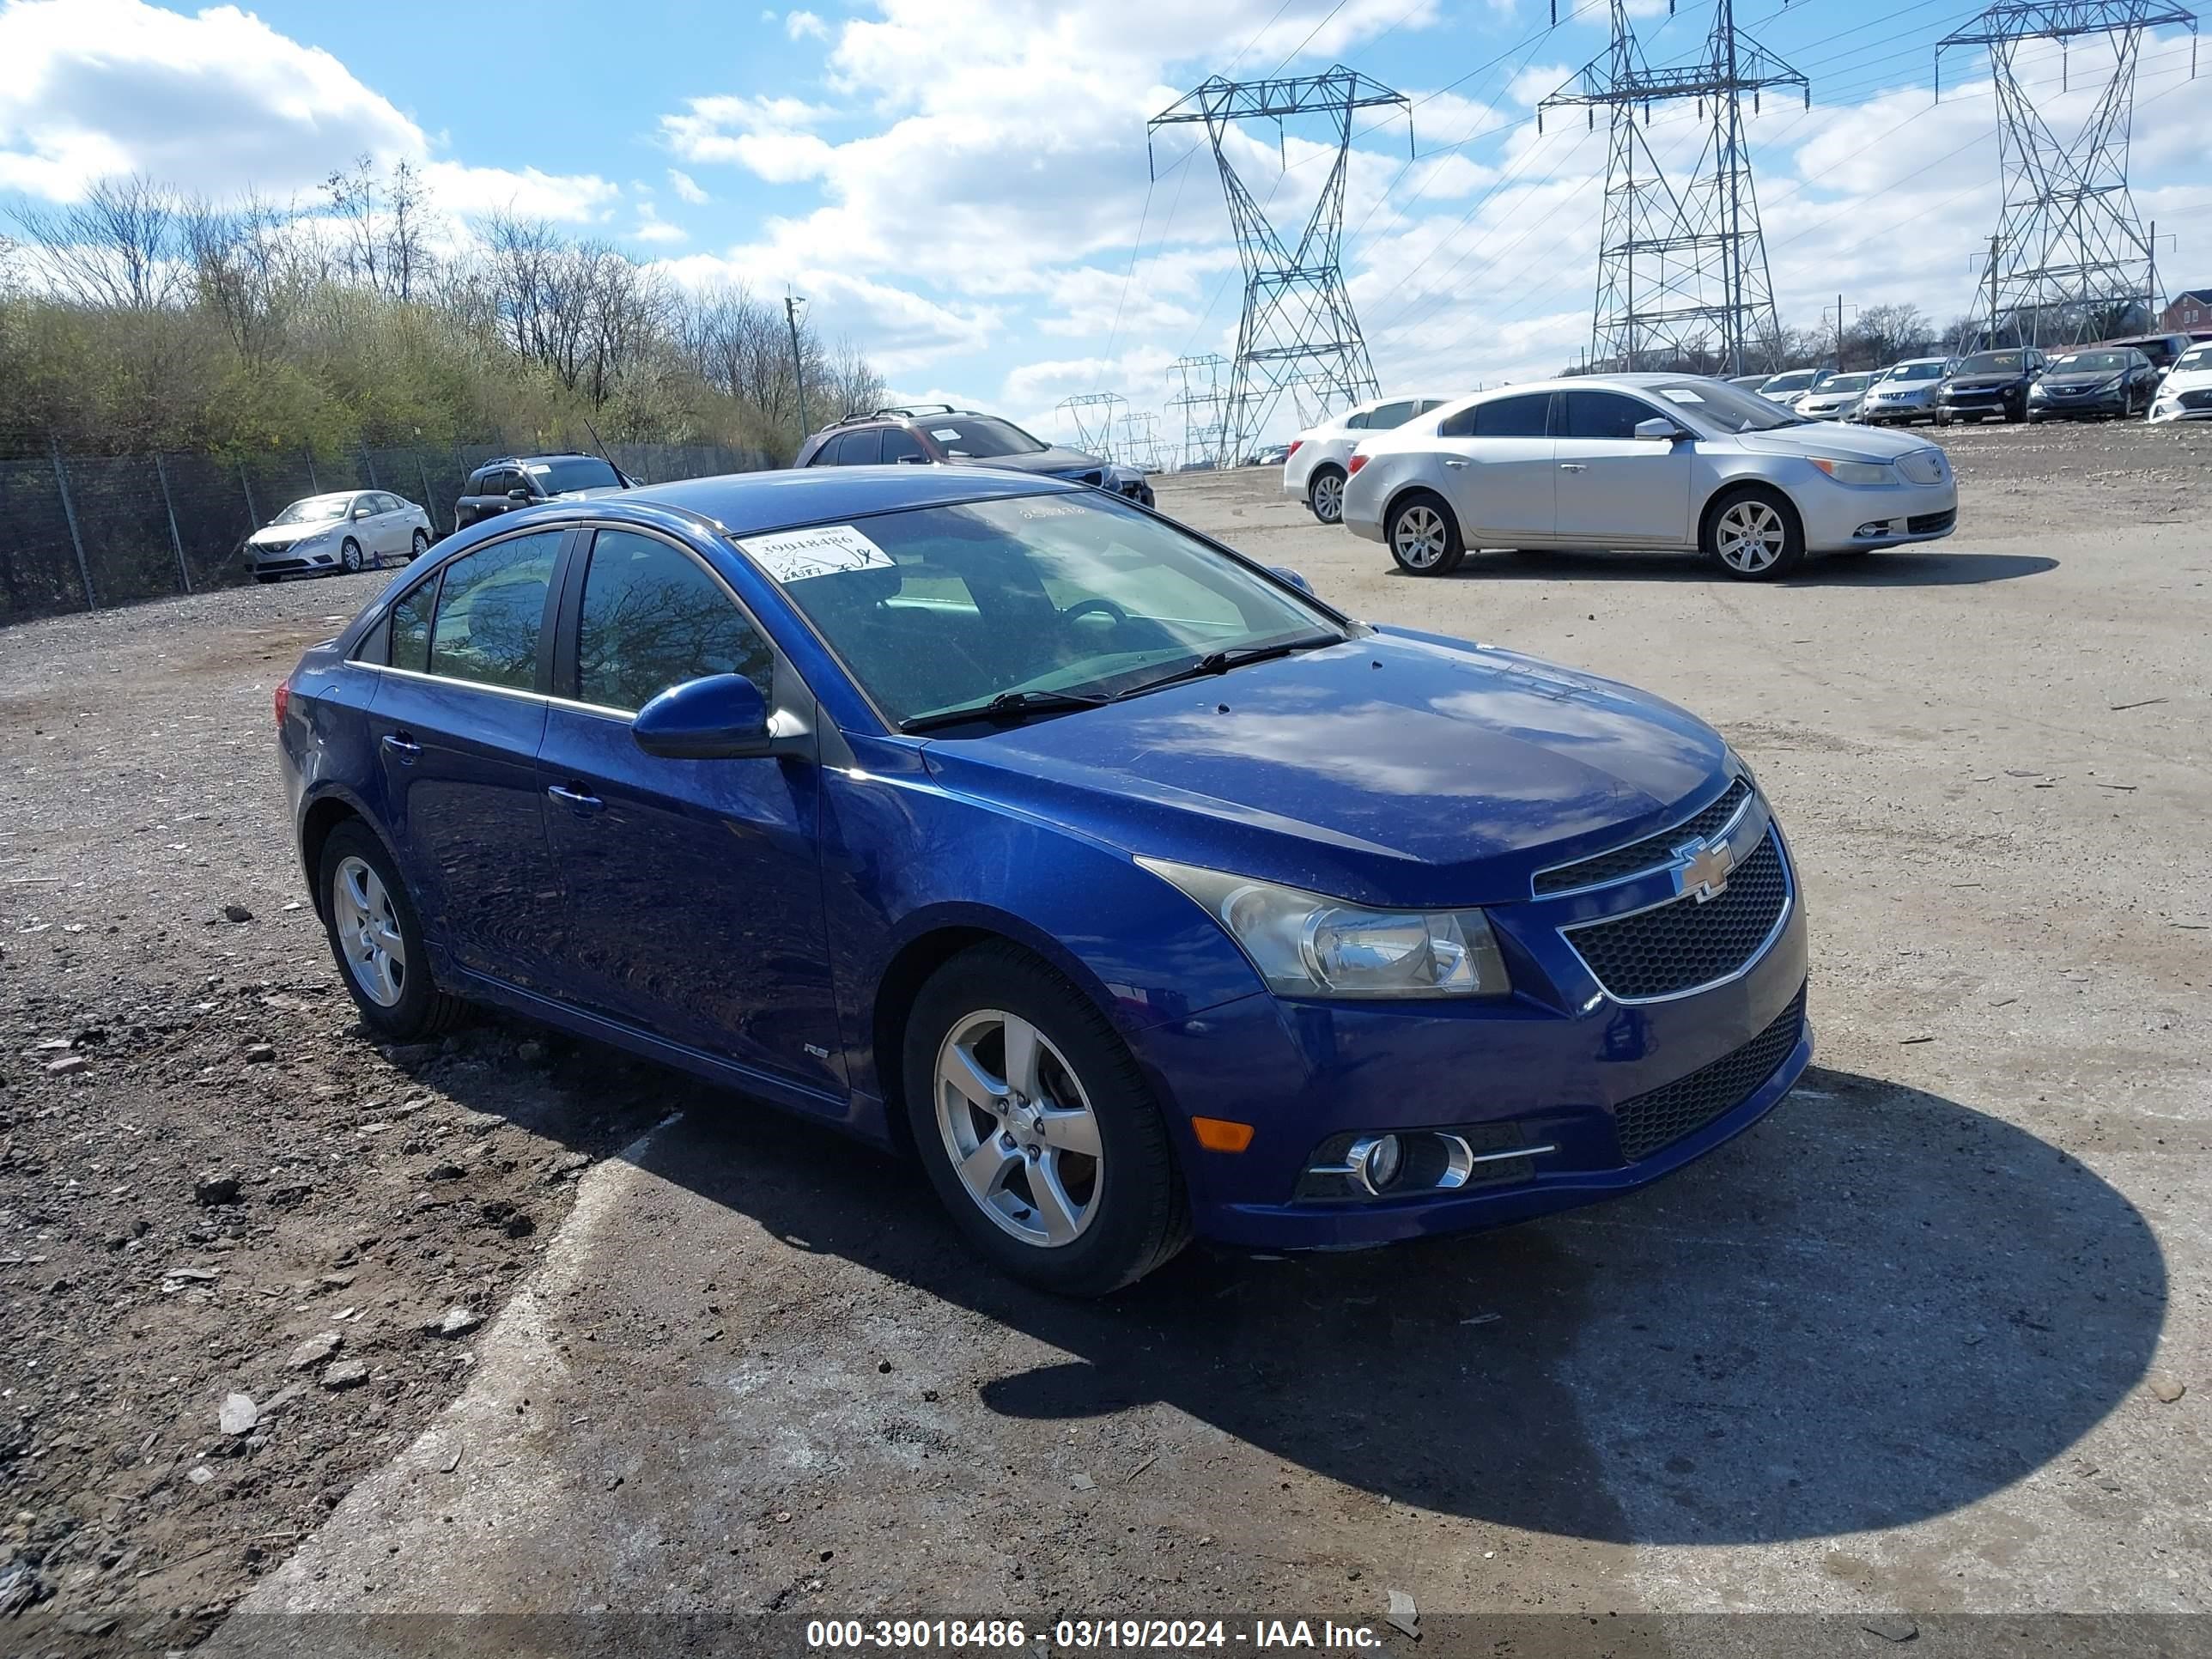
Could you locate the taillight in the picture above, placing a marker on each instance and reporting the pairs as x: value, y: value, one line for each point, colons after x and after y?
x: 283, y: 701
x: 1358, y: 461
x: 1293, y: 449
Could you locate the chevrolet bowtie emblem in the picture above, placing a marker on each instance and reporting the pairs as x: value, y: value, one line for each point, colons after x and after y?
x: 1704, y: 870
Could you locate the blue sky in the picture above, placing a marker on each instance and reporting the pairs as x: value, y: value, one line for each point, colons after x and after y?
x: 963, y: 191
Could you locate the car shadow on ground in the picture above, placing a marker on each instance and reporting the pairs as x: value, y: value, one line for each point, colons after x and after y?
x: 1878, y: 1306
x: 1903, y: 567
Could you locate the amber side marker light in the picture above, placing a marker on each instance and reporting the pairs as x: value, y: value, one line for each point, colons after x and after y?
x: 1219, y: 1134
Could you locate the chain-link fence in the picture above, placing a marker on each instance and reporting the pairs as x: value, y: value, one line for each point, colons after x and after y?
x: 85, y: 532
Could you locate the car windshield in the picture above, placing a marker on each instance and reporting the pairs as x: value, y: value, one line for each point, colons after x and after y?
x: 1916, y: 372
x: 1994, y: 363
x: 558, y: 477
x: 1845, y: 383
x: 1715, y: 408
x: 2079, y: 362
x: 1795, y: 381
x: 316, y: 509
x: 2196, y: 357
x: 978, y: 437
x: 1031, y: 600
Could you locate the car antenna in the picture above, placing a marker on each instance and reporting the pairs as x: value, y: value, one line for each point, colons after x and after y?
x: 602, y: 448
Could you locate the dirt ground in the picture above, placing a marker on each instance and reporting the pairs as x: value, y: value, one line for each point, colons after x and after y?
x: 1931, y: 1340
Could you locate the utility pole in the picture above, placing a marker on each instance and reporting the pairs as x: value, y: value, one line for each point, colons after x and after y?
x: 790, y: 304
x: 1996, y: 239
x: 1840, y: 334
x: 1697, y: 246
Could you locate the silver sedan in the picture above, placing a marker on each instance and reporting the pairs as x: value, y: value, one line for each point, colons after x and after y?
x: 1643, y: 461
x: 350, y: 530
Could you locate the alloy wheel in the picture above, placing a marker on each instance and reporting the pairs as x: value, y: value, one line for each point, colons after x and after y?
x: 422, y: 543
x: 1750, y: 537
x: 368, y: 932
x: 349, y: 555
x: 1419, y: 537
x: 1018, y: 1128
x: 1328, y: 498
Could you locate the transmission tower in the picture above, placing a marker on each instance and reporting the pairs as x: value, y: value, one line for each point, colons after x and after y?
x: 1092, y: 414
x: 1682, y: 272
x: 1297, y: 333
x: 1202, y: 406
x: 1140, y: 441
x: 2069, y: 261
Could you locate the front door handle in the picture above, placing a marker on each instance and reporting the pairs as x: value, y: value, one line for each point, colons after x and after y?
x: 402, y: 745
x: 580, y: 800
x: 1572, y: 466
x: 1455, y: 463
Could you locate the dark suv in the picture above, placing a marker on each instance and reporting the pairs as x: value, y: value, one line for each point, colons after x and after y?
x: 944, y: 435
x: 511, y: 481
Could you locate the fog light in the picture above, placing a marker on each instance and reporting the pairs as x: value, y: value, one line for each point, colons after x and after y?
x: 1376, y: 1161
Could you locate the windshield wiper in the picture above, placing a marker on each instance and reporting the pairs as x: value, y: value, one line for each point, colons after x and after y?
x: 1007, y: 706
x: 1220, y: 662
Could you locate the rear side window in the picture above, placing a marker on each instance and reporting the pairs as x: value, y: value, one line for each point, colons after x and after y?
x: 1513, y: 418
x: 1391, y: 415
x: 859, y: 448
x: 491, y: 609
x: 653, y: 619
x: 1356, y: 422
x: 1604, y: 414
x: 411, y: 626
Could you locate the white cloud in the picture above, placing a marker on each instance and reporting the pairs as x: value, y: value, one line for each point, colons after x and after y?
x: 571, y: 198
x: 798, y: 25
x: 651, y: 228
x: 771, y: 136
x: 687, y: 188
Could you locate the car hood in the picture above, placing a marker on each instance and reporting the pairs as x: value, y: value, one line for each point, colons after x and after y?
x: 2186, y: 380
x: 1055, y: 461
x: 2083, y: 377
x: 1394, y: 768
x: 287, y: 533
x: 1834, y: 440
x: 1982, y: 382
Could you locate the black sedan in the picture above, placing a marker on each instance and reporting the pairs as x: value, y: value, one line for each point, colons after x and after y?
x: 1989, y: 383
x: 2101, y: 381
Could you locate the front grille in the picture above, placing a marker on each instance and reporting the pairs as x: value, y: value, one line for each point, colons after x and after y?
x: 1662, y: 1117
x: 1923, y: 467
x: 1646, y: 855
x: 2199, y: 398
x: 1923, y: 524
x: 1682, y: 945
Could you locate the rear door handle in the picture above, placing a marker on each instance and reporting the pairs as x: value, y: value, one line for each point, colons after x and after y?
x: 1572, y: 466
x: 402, y: 745
x: 581, y: 801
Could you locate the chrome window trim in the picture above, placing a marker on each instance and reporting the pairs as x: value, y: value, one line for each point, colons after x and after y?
x: 496, y: 691
x: 1758, y: 955
x: 1734, y: 822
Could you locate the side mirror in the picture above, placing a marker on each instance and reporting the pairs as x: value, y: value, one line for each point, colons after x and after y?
x: 914, y: 460
x: 518, y: 494
x: 1659, y: 429
x: 722, y: 717
x: 361, y: 513
x: 1296, y: 579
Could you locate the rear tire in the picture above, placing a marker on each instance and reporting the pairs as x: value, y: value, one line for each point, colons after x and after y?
x: 1120, y: 1210
x: 421, y: 545
x: 1325, y: 493
x: 1753, y: 534
x: 367, y: 912
x: 1423, y: 535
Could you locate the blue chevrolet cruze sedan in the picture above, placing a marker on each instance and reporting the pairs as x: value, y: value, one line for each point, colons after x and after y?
x: 1135, y: 891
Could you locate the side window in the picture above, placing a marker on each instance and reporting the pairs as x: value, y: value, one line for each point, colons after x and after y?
x: 1604, y: 414
x: 1391, y: 415
x: 653, y: 619
x: 491, y: 609
x: 1461, y: 425
x: 899, y: 445
x: 1513, y: 418
x: 1358, y: 423
x: 1428, y: 404
x: 411, y: 626
x: 860, y: 448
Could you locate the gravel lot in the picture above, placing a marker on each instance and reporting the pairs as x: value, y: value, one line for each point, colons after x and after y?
x: 1932, y: 1339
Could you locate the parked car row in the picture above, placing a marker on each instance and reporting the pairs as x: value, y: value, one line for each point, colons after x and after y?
x: 1637, y: 461
x: 2117, y: 379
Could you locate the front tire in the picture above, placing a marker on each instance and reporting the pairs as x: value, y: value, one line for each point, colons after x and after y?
x: 376, y: 939
x: 1424, y: 535
x: 349, y: 557
x: 1754, y: 535
x: 1325, y: 493
x: 1037, y: 1128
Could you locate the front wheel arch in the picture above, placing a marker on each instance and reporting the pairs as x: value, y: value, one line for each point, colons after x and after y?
x: 1793, y: 554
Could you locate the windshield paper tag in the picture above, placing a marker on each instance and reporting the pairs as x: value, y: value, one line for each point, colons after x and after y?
x: 793, y: 556
x: 946, y: 434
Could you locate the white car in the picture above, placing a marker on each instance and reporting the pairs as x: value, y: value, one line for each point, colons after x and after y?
x: 1642, y: 460
x: 352, y: 529
x: 2185, y: 393
x: 1906, y: 392
x: 1792, y: 384
x: 1836, y: 398
x: 1314, y: 471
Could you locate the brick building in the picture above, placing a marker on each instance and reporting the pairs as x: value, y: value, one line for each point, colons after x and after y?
x: 2189, y: 313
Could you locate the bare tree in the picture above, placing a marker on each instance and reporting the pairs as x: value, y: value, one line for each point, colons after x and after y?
x: 407, y: 211
x: 353, y: 203
x: 115, y: 250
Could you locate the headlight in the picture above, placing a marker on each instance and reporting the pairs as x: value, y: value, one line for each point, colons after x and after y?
x: 1856, y: 472
x: 2112, y: 384
x: 1306, y: 946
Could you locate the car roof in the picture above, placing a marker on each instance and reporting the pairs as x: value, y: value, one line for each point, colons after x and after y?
x: 748, y: 503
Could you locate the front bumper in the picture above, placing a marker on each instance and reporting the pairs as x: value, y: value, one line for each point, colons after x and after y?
x: 1840, y: 516
x: 1883, y: 414
x: 1560, y: 1066
x: 2167, y: 410
x: 298, y: 559
x: 2101, y: 405
x: 1979, y: 404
